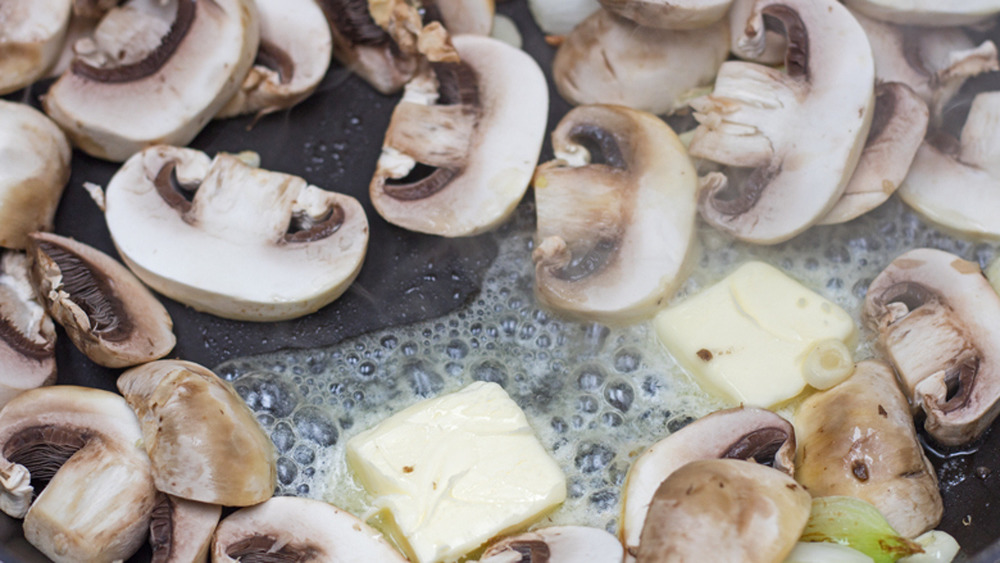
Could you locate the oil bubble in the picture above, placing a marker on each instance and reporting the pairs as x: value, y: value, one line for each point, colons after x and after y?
x: 314, y: 425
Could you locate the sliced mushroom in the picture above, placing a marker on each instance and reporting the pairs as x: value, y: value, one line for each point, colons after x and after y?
x: 937, y: 317
x: 897, y: 131
x: 463, y: 141
x: 76, y: 451
x: 232, y: 240
x: 294, y: 53
x: 106, y: 311
x: 670, y: 14
x: 957, y: 183
x: 740, y: 433
x: 135, y: 89
x: 34, y: 169
x: 559, y: 17
x: 771, y: 51
x: 556, y: 544
x: 27, y: 334
x: 724, y: 510
x: 610, y: 60
x: 181, y: 531
x: 299, y: 529
x: 616, y: 214
x: 927, y: 12
x: 203, y: 440
x: 857, y: 439
x: 31, y: 37
x: 790, y: 140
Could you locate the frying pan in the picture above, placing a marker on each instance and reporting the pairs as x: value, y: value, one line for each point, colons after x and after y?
x: 333, y: 140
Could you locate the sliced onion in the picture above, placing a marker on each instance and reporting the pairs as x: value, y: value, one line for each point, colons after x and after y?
x: 859, y: 525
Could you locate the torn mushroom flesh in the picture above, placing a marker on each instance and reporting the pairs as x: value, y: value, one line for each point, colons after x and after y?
x: 27, y: 334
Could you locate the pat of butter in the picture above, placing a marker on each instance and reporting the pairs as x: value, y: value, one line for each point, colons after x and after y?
x: 455, y: 471
x: 758, y: 336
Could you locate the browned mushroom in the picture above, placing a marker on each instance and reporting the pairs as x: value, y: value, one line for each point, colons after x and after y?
x: 180, y: 530
x: 27, y: 334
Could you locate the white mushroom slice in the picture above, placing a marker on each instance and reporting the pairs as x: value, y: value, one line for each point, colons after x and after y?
x: 670, y: 14
x: 739, y: 433
x: 203, y: 440
x: 616, y: 214
x: 79, y: 448
x: 463, y: 142
x: 180, y: 530
x: 790, y: 140
x: 27, y: 334
x: 928, y: 12
x: 556, y: 544
x: 461, y: 16
x: 897, y: 131
x: 137, y: 88
x: 770, y: 52
x: 31, y: 38
x: 299, y: 529
x: 858, y: 439
x: 294, y: 53
x: 232, y: 240
x: 34, y: 169
x: 610, y: 60
x: 937, y: 317
x: 559, y: 17
x: 106, y: 311
x: 957, y: 184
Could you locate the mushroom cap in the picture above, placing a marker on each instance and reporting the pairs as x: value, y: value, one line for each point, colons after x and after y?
x: 299, y: 529
x: 27, y: 334
x: 670, y: 14
x: 34, y: 169
x: 31, y: 37
x: 927, y: 12
x: 203, y: 440
x: 857, y: 439
x: 556, y: 544
x: 250, y: 244
x: 181, y: 530
x: 113, y: 118
x: 610, y: 60
x: 483, y: 152
x: 937, y: 317
x: 616, y: 214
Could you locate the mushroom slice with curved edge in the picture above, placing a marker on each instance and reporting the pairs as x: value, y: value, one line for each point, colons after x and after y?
x: 957, y: 184
x: 616, y: 214
x: 771, y: 51
x: 928, y: 12
x: 556, y: 544
x: 31, y: 38
x: 180, y: 531
x: 299, y: 529
x: 789, y: 140
x: 34, y: 169
x: 858, y: 439
x: 724, y: 510
x: 294, y: 53
x: 670, y: 14
x: 463, y: 141
x: 937, y: 317
x: 107, y: 313
x: 27, y: 334
x: 897, y: 131
x: 232, y: 240
x: 740, y: 433
x: 77, y: 449
x: 203, y: 440
x: 135, y: 89
x: 610, y: 60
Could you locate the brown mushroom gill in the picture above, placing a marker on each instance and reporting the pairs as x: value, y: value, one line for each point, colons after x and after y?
x: 161, y: 528
x: 760, y: 446
x: 152, y: 62
x: 20, y: 342
x: 352, y: 20
x: 42, y: 450
x: 277, y: 59
x: 260, y: 548
x: 531, y: 551
x: 173, y: 192
x: 302, y: 227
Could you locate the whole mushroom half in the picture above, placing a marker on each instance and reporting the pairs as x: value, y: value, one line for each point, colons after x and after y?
x: 616, y: 214
x: 233, y: 240
x: 789, y: 140
x: 299, y: 529
x: 464, y: 140
x: 106, y: 311
x: 27, y: 334
x: 31, y: 38
x: 858, y: 439
x: 670, y: 14
x: 556, y: 544
x: 928, y: 12
x: 154, y: 76
x: 180, y: 530
x: 77, y: 451
x: 937, y: 317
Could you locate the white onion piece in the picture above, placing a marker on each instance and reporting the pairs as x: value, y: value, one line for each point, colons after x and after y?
x: 505, y: 29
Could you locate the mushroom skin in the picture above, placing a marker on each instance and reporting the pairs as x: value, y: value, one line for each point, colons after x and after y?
x: 204, y: 442
x: 724, y: 510
x: 927, y: 12
x: 180, y: 530
x: 670, y: 14
x: 556, y: 544
x: 937, y: 317
x: 106, y: 311
x: 616, y: 214
x: 31, y: 38
x: 27, y: 334
x: 857, y: 439
x: 746, y: 433
x: 82, y: 446
x: 769, y: 52
x: 789, y: 140
x: 610, y: 60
